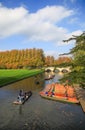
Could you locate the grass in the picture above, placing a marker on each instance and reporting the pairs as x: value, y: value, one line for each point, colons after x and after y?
x: 8, y: 76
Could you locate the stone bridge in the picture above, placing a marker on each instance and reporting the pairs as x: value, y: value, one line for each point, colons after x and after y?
x: 50, y: 69
x: 60, y: 69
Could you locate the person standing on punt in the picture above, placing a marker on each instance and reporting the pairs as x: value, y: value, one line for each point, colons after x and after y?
x: 20, y: 96
x: 21, y: 93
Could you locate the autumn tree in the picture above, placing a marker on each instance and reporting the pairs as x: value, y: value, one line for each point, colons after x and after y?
x: 49, y: 61
x: 63, y: 61
x: 17, y: 59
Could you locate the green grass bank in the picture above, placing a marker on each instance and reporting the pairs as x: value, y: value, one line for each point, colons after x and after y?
x: 8, y: 76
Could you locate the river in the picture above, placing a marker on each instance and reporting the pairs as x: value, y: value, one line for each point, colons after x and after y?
x: 37, y: 113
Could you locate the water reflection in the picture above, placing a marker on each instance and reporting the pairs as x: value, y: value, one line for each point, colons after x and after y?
x: 37, y: 113
x: 20, y: 109
x: 55, y: 79
x: 32, y: 83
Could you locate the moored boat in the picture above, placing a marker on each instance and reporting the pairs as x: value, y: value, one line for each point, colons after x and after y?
x: 49, y: 77
x: 59, y: 93
x: 27, y: 96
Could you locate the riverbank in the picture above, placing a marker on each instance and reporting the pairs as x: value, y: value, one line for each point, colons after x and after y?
x: 8, y: 76
x: 80, y: 92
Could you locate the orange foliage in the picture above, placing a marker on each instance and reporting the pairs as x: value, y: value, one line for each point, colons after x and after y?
x: 21, y: 58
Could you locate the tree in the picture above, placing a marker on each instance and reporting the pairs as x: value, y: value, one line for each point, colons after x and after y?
x: 49, y: 61
x: 63, y: 61
x: 18, y: 59
x: 77, y: 75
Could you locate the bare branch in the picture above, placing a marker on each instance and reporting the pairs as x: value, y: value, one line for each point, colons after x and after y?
x: 64, y: 54
x: 69, y: 39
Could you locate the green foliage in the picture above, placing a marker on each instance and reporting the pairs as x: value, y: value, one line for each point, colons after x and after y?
x: 78, y: 63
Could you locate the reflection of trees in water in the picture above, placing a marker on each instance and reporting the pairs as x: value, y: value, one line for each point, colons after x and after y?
x: 31, y: 83
x: 20, y: 109
x: 38, y: 79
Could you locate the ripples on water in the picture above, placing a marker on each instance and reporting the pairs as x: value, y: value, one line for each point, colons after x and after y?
x: 37, y: 113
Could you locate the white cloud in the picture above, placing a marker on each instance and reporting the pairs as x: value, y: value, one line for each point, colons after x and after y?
x: 75, y: 33
x: 52, y: 53
x: 10, y: 20
x: 69, y: 35
x: 38, y: 26
x: 53, y: 13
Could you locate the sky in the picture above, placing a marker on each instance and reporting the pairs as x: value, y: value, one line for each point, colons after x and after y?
x: 40, y: 24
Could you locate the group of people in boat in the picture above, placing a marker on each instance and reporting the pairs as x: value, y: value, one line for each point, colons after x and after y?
x: 21, y: 96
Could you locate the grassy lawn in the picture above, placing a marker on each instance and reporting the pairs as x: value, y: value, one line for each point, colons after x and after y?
x: 10, y: 76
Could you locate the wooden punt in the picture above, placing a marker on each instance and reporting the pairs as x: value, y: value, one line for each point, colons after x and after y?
x: 58, y: 92
x: 28, y: 94
x: 50, y: 77
x: 60, y: 98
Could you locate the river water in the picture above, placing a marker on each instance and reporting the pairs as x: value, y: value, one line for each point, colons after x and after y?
x: 37, y: 113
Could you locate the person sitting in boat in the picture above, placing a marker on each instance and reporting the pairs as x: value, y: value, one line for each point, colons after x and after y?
x: 21, y: 96
x: 25, y: 95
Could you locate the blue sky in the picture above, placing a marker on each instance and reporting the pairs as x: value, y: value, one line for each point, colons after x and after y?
x: 40, y: 24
